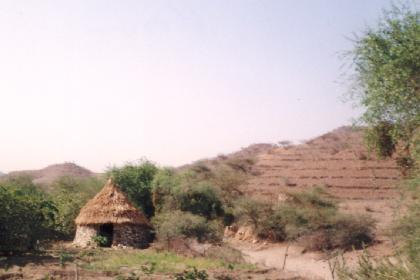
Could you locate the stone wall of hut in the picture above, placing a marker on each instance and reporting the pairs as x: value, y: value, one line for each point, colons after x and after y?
x: 131, y: 235
x: 84, y: 235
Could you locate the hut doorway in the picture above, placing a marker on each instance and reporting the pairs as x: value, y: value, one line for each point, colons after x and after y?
x: 107, y: 231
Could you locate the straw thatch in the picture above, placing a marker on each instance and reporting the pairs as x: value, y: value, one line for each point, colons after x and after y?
x: 110, y: 206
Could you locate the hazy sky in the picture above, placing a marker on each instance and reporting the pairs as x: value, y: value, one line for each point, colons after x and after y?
x: 105, y: 82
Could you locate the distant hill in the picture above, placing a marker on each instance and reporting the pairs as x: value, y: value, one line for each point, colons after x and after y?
x: 2, y: 174
x: 50, y: 173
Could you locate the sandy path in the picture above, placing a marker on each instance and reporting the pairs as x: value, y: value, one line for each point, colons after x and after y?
x: 308, y: 265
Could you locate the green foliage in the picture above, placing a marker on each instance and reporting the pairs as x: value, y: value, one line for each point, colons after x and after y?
x: 69, y: 196
x: 316, y: 218
x: 185, y: 192
x: 251, y: 211
x: 27, y: 215
x: 136, y: 181
x: 309, y: 217
x: 192, y: 274
x: 178, y: 224
x: 149, y: 268
x: 166, y: 262
x: 64, y: 257
x: 201, y: 199
x: 408, y: 227
x: 405, y: 265
x: 379, y: 138
x: 415, y: 149
x: 164, y: 184
x: 131, y: 276
x: 272, y: 227
x: 385, y: 269
x: 387, y: 65
x: 100, y: 240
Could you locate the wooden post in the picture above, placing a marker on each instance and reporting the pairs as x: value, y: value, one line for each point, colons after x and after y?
x: 76, y: 272
x: 285, y: 256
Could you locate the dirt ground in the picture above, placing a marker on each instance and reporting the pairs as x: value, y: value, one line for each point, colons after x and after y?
x: 309, y: 265
x: 47, y: 266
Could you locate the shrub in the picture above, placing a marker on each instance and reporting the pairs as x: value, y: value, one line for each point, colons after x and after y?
x: 226, y: 254
x: 64, y: 257
x: 383, y: 269
x: 272, y: 227
x: 180, y: 224
x: 100, y: 240
x: 192, y: 274
x: 379, y: 138
x: 163, y: 186
x: 228, y: 180
x: 304, y: 212
x: 27, y: 215
x: 136, y: 181
x: 201, y: 199
x: 350, y: 231
x: 69, y: 196
x: 251, y: 211
x: 345, y: 232
x: 310, y: 217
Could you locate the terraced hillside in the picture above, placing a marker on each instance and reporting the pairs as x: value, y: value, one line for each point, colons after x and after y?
x: 338, y: 161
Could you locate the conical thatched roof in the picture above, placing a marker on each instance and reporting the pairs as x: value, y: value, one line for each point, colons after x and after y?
x: 111, y: 206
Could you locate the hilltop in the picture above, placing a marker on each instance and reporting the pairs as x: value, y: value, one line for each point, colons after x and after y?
x: 49, y: 174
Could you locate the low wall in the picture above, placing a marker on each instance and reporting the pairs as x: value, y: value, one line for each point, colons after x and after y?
x: 84, y: 235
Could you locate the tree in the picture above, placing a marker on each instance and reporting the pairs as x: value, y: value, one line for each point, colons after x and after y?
x: 136, y: 181
x: 69, y: 196
x: 387, y: 66
x: 200, y: 199
x: 27, y: 215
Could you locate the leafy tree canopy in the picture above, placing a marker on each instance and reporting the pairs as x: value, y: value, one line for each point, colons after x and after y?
x: 135, y: 179
x: 387, y: 65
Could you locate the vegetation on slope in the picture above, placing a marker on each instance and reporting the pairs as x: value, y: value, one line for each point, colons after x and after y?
x: 309, y: 217
x: 388, y: 68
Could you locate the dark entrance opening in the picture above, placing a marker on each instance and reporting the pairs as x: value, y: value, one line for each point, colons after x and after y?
x: 107, y: 231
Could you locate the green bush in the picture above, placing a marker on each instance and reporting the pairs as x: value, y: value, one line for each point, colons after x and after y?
x: 201, y: 199
x: 192, y: 274
x: 344, y: 232
x: 64, y: 257
x: 100, y: 240
x: 383, y: 269
x: 164, y: 184
x: 135, y: 179
x: 379, y: 138
x: 272, y: 227
x: 27, y: 215
x: 248, y: 210
x: 309, y: 217
x: 178, y: 224
x: 69, y: 196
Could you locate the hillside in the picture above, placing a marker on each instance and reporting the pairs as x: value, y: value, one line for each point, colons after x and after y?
x: 337, y: 161
x: 50, y: 173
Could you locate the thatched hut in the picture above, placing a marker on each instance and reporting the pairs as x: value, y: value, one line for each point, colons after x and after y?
x: 111, y: 214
